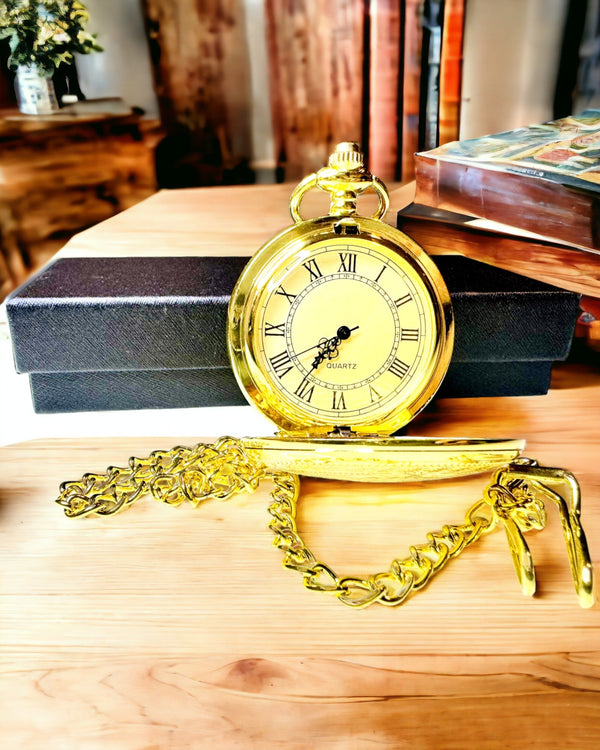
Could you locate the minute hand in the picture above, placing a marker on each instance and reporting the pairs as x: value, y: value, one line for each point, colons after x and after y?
x: 345, y: 333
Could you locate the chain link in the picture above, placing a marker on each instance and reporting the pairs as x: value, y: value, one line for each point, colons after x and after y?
x: 225, y: 468
x: 196, y: 474
x: 391, y: 587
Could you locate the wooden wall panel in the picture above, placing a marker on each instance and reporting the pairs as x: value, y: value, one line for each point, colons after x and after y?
x: 317, y: 81
x: 201, y: 68
x: 385, y: 44
x: 338, y: 70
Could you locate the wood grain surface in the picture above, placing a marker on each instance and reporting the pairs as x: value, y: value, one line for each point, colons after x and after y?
x: 451, y: 70
x: 411, y: 85
x: 316, y: 79
x: 193, y: 220
x: 179, y: 628
x: 101, y: 164
x: 202, y: 79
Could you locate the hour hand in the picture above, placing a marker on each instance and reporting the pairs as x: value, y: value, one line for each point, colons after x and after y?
x: 328, y: 348
x: 324, y: 353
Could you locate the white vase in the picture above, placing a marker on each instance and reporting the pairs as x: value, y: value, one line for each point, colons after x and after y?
x: 35, y: 91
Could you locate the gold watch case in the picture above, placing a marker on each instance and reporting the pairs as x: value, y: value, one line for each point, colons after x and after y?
x: 340, y: 324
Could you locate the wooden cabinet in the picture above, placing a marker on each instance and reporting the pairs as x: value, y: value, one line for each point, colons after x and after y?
x: 62, y: 173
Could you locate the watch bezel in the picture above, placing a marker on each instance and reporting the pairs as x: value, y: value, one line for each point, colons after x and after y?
x: 259, y: 387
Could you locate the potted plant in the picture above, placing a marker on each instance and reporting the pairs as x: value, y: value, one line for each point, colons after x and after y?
x: 43, y: 34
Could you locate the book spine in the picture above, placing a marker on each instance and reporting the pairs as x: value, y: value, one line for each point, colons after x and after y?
x: 316, y: 56
x: 520, y: 200
x: 430, y: 74
x: 384, y: 70
x: 411, y: 82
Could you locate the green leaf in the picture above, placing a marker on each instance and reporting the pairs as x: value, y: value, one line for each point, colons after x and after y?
x: 31, y: 27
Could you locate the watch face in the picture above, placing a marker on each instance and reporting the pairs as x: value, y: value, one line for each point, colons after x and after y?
x: 345, y: 332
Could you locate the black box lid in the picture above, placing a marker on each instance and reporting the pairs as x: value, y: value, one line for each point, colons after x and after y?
x: 165, y: 313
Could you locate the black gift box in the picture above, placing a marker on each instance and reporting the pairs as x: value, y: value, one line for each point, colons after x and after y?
x: 149, y: 332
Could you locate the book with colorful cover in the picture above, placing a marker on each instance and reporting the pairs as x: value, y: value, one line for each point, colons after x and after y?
x: 542, y: 178
x: 565, y: 150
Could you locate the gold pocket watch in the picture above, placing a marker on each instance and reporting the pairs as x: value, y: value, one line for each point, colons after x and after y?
x: 340, y: 322
x: 340, y: 330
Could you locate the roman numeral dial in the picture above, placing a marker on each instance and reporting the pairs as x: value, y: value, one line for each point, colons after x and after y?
x: 281, y: 363
x: 347, y: 263
x: 374, y: 395
x: 399, y: 368
x: 289, y: 297
x: 409, y: 334
x: 313, y: 269
x: 339, y: 400
x: 341, y: 332
x: 275, y: 330
x: 305, y: 390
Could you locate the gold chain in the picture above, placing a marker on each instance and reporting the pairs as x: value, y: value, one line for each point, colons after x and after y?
x: 225, y: 468
x: 196, y: 474
x: 392, y: 587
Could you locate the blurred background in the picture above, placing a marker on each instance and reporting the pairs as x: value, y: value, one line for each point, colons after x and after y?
x: 191, y: 93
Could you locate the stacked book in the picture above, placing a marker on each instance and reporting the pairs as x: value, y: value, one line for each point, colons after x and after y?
x: 526, y: 200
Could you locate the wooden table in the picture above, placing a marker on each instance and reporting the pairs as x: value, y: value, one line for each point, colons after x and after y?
x: 179, y: 628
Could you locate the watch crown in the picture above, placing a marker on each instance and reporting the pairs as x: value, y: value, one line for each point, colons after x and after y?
x: 346, y: 157
x: 345, y: 178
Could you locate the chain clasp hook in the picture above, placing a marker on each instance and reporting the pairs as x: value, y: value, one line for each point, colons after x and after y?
x: 516, y: 494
